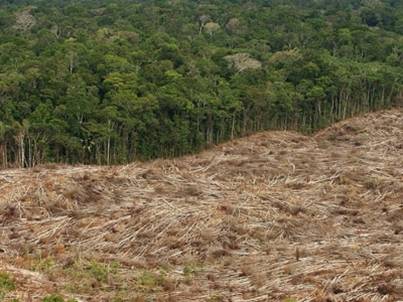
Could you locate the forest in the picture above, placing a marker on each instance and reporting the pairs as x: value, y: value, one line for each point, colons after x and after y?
x: 110, y: 82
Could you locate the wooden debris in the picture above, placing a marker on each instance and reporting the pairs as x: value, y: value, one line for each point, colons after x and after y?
x: 272, y: 216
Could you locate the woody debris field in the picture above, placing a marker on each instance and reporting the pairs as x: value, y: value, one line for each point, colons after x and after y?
x: 276, y: 216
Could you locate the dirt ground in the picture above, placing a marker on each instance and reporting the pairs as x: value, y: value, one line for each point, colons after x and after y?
x: 277, y: 216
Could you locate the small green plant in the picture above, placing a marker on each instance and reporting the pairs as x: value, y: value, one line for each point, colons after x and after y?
x: 43, y: 264
x: 53, y: 298
x: 150, y: 280
x: 6, y: 284
x: 99, y: 271
x: 191, y: 269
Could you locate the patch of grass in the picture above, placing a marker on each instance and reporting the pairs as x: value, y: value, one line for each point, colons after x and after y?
x: 56, y: 298
x: 6, y: 284
x: 89, y: 276
x: 43, y: 264
x: 53, y: 298
x: 99, y: 271
x: 150, y: 279
x: 93, y: 269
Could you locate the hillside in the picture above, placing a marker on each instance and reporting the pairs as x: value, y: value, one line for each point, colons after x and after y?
x: 104, y: 82
x: 270, y: 217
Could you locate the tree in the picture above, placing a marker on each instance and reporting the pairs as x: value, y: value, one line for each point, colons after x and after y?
x: 114, y: 81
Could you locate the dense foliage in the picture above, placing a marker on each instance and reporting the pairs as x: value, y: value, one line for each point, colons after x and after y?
x: 101, y: 81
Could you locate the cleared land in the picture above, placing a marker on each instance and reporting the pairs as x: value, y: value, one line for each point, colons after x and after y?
x: 270, y: 217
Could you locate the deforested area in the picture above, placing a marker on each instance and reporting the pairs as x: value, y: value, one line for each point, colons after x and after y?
x: 276, y: 216
x: 209, y: 150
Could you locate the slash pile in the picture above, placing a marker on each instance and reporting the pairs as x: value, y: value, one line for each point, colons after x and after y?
x: 277, y: 216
